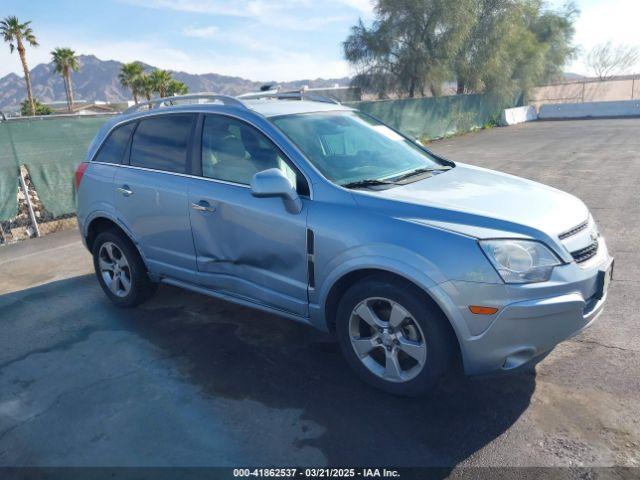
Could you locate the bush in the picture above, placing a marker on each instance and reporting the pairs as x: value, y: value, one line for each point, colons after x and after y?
x: 25, y: 109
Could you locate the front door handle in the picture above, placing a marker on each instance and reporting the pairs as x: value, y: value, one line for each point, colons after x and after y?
x: 203, y: 206
x: 125, y: 190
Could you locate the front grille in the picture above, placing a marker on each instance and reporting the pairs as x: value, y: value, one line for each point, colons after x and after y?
x: 574, y: 230
x: 585, y: 253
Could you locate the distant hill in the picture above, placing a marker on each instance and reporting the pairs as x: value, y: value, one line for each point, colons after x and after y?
x: 572, y: 77
x: 98, y: 80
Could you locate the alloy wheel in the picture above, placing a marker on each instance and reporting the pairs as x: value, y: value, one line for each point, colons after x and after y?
x: 114, y: 269
x: 387, y: 339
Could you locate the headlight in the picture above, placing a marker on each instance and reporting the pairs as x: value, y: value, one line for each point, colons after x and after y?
x: 520, y: 261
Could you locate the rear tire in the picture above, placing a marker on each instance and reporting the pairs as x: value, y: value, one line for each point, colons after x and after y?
x: 393, y: 336
x: 120, y: 270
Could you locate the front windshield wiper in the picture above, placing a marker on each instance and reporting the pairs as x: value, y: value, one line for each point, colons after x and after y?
x: 419, y: 171
x: 373, y: 182
x: 368, y: 182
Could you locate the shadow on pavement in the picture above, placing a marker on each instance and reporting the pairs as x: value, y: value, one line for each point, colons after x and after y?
x: 234, y: 352
x: 237, y: 352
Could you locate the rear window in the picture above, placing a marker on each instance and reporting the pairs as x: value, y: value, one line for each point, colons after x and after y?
x: 112, y: 150
x: 161, y: 143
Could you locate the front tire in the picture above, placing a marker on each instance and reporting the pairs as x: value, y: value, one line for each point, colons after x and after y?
x: 393, y: 336
x: 120, y: 270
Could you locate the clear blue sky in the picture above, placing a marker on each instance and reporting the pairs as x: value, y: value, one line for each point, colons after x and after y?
x: 256, y: 39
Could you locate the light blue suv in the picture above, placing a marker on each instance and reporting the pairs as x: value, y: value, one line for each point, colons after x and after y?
x: 319, y: 213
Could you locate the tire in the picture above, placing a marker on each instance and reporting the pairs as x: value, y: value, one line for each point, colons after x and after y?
x: 413, y: 324
x: 133, y: 285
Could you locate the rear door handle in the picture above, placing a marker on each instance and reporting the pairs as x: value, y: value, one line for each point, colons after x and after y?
x: 125, y: 190
x: 203, y: 206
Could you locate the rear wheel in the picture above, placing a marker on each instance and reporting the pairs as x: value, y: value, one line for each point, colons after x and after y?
x: 120, y: 270
x: 393, y: 337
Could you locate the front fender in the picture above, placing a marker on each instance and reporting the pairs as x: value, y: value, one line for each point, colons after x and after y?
x: 390, y: 258
x: 393, y: 259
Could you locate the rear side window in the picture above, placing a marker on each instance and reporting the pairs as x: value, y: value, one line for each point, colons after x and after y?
x: 161, y: 143
x: 113, y: 148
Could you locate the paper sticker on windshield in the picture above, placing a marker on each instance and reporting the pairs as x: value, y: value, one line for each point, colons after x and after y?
x: 387, y: 132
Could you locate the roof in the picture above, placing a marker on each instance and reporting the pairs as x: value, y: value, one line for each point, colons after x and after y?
x: 272, y: 107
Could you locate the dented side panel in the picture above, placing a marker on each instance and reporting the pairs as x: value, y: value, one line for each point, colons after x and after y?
x: 250, y: 246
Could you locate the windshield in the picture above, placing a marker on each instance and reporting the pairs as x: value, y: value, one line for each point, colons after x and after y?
x: 350, y: 147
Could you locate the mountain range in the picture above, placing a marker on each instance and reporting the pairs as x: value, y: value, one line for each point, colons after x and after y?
x: 98, y: 80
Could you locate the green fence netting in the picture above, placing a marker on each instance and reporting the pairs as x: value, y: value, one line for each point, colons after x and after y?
x: 437, y: 117
x: 8, y: 192
x: 50, y: 148
x: 8, y: 176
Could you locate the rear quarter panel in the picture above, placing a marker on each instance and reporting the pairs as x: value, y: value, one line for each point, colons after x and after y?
x: 95, y: 194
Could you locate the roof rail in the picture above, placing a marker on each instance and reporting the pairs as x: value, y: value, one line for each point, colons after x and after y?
x: 159, y: 102
x: 296, y: 95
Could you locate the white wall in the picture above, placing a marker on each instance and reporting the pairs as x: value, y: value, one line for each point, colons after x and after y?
x: 628, y: 108
x: 513, y: 116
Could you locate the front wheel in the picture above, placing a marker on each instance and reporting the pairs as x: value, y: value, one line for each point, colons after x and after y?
x: 393, y: 337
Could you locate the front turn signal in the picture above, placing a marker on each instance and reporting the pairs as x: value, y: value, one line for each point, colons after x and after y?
x: 480, y: 310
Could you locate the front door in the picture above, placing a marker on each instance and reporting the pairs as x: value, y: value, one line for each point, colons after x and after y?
x: 153, y: 201
x: 250, y: 247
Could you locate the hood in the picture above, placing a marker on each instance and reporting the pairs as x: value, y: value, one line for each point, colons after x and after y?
x: 481, y: 202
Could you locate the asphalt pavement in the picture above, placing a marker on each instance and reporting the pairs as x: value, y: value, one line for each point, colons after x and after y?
x: 192, y: 381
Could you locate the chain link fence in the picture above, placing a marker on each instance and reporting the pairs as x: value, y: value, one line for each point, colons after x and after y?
x: 32, y: 219
x: 437, y: 117
x: 625, y: 87
x: 38, y: 156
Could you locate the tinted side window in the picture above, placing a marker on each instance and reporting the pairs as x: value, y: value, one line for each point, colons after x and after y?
x: 161, y: 143
x: 112, y: 150
x: 235, y: 151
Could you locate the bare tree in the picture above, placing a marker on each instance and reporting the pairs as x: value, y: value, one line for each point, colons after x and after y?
x: 607, y: 60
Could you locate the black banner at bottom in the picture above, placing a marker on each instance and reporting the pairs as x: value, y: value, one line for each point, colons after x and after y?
x: 215, y: 473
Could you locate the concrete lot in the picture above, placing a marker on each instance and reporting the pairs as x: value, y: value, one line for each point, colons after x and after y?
x: 188, y: 380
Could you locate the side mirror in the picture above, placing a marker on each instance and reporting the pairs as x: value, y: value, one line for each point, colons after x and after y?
x: 273, y: 183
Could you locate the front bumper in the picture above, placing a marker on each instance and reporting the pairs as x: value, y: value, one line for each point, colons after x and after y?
x: 525, y: 330
x: 532, y: 319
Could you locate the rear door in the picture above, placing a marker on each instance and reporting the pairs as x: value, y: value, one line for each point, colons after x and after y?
x: 151, y: 193
x: 247, y: 246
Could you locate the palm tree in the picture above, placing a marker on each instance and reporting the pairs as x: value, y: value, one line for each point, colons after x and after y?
x: 129, y: 78
x: 161, y: 81
x: 144, y: 85
x: 15, y: 34
x: 65, y: 61
x: 176, y: 88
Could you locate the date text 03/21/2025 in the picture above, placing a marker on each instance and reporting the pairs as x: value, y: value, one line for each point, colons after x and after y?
x: 315, y: 472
